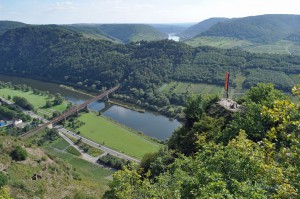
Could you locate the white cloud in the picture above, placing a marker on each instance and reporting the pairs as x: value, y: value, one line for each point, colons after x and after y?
x: 65, y: 5
x: 13, y: 13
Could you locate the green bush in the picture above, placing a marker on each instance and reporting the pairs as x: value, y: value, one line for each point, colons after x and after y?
x: 19, y: 154
x: 3, y: 179
x: 112, y: 161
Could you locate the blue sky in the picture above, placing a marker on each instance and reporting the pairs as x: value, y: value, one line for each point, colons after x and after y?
x: 138, y: 11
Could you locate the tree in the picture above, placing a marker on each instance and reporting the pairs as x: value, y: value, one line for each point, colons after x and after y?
x: 58, y: 99
x: 48, y: 104
x: 238, y: 170
x: 23, y: 102
x: 3, y: 179
x: 55, y: 114
x: 264, y: 94
x: 19, y: 154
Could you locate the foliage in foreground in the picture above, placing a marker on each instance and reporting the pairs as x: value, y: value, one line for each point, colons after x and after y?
x: 4, y: 193
x: 258, y: 159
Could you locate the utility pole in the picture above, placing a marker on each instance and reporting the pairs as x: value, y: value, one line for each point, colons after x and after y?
x: 226, y: 83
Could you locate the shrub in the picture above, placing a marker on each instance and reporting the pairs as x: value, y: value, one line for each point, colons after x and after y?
x: 19, y: 154
x: 3, y: 179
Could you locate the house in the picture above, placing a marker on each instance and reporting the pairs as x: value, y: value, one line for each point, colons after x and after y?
x: 18, y: 121
x: 2, y: 123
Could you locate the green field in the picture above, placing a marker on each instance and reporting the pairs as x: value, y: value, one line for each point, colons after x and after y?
x: 60, y: 144
x: 78, y: 163
x: 279, y: 47
x: 38, y: 101
x: 104, y: 131
x: 183, y: 88
x: 220, y: 42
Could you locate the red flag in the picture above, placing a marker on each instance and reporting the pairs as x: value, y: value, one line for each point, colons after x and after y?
x: 226, y: 81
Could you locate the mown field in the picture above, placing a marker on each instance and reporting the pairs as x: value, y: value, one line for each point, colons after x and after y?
x: 220, y: 42
x: 38, y: 101
x: 280, y: 47
x: 115, y: 136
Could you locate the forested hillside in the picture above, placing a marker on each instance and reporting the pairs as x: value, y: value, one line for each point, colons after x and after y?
x: 8, y: 25
x: 253, y: 153
x: 260, y: 29
x: 91, y: 31
x: 55, y: 54
x: 200, y: 27
x: 132, y: 32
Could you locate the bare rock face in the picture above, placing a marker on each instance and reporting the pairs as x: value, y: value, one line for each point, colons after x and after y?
x: 224, y: 108
x: 230, y: 105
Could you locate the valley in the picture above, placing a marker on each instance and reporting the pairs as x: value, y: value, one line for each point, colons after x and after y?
x: 163, y: 127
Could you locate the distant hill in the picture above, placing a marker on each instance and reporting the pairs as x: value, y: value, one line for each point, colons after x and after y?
x: 200, y: 27
x: 259, y: 29
x: 54, y: 53
x: 132, y: 32
x: 8, y: 25
x: 91, y: 31
x: 171, y: 28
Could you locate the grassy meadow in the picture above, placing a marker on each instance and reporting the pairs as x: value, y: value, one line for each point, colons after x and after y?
x: 115, y: 136
x: 38, y: 101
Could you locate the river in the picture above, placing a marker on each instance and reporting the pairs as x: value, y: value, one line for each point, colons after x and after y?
x: 173, y: 37
x: 153, y: 125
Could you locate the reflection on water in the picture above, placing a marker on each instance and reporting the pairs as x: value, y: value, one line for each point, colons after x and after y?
x: 173, y: 37
x: 153, y: 125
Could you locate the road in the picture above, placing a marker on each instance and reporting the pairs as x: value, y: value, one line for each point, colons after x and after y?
x: 96, y: 145
x: 72, y: 134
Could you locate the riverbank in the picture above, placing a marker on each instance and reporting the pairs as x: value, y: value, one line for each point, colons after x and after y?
x: 126, y: 105
x: 131, y: 116
x: 76, y: 90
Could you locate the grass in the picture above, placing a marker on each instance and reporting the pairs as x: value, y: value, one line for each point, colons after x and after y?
x: 182, y: 88
x: 279, y: 47
x: 220, y: 42
x: 103, y: 131
x: 73, y: 151
x: 38, y: 101
x: 88, y: 170
x: 63, y: 174
x: 94, y: 151
x: 60, y: 144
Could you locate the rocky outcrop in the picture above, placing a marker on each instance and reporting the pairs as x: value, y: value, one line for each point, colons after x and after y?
x: 224, y: 108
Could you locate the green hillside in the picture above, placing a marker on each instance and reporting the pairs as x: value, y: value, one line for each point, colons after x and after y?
x: 60, y: 174
x: 200, y: 27
x: 91, y: 31
x: 259, y: 29
x: 132, y: 32
x: 55, y: 54
x: 8, y: 25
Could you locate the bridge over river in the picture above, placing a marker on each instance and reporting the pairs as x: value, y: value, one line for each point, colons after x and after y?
x: 69, y: 112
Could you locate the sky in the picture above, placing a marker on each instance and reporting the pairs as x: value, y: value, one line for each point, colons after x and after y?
x: 138, y: 11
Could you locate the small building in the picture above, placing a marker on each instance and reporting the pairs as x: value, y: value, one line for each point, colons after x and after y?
x: 2, y: 123
x: 18, y: 121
